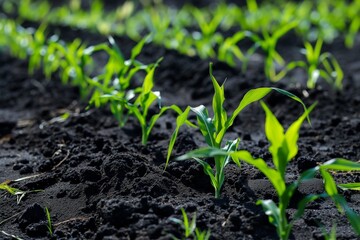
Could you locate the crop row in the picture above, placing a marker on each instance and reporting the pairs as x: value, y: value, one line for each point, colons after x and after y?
x: 115, y: 86
x: 205, y: 31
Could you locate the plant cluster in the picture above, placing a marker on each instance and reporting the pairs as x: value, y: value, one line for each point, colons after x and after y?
x: 127, y: 85
x: 117, y: 85
x: 214, y: 128
x: 189, y: 227
x: 283, y: 148
x: 191, y: 30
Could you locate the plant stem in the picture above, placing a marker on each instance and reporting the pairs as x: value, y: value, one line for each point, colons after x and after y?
x: 284, y: 228
x: 144, y: 136
x: 217, y: 193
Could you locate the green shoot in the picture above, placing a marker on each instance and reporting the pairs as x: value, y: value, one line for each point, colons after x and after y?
x: 49, y: 222
x: 13, y: 191
x: 283, y: 149
x: 214, y: 128
x: 217, y: 176
x: 354, y: 26
x: 207, y: 38
x: 229, y: 49
x: 350, y: 186
x: 189, y: 227
x: 117, y: 78
x: 322, y: 65
x: 140, y: 108
x: 268, y: 44
x: 37, y: 49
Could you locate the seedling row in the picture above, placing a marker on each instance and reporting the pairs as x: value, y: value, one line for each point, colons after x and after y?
x: 126, y: 86
x: 203, y: 31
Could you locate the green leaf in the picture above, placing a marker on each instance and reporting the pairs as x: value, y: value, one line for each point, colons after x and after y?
x: 205, y: 152
x: 257, y: 94
x: 148, y: 83
x: 275, y: 134
x: 208, y: 171
x: 220, y: 115
x: 317, y: 49
x: 308, y: 174
x: 274, y: 176
x: 283, y: 30
x: 340, y: 164
x: 222, y: 158
x: 180, y: 120
x: 292, y: 134
x: 205, y: 124
x: 222, y: 161
x: 272, y: 211
x: 135, y: 110
x: 138, y: 47
x: 352, y: 216
x: 293, y: 97
x: 155, y: 117
x: 117, y: 51
x: 251, y: 96
x: 303, y: 203
x: 350, y: 186
x: 4, y: 186
x: 329, y: 183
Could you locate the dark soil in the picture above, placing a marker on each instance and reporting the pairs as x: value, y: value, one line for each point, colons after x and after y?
x: 99, y: 182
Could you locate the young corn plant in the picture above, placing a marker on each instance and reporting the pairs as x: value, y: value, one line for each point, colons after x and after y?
x: 189, y: 227
x: 117, y: 78
x: 208, y: 37
x: 71, y: 60
x: 322, y: 65
x: 352, y: 13
x: 214, y: 128
x: 37, y: 49
x: 140, y: 107
x: 15, y: 38
x: 13, y: 191
x: 229, y: 51
x: 283, y: 148
x: 49, y: 222
x: 268, y: 42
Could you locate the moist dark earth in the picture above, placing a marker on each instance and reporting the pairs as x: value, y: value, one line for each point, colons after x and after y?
x: 99, y: 182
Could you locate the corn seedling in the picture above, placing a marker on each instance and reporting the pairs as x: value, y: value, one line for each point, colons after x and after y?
x: 283, y: 149
x: 189, y: 227
x: 140, y: 107
x: 16, y: 38
x: 214, y: 128
x: 268, y: 44
x: 37, y: 49
x: 229, y: 51
x: 72, y: 61
x: 117, y: 78
x: 322, y: 65
x: 208, y: 37
x: 49, y: 222
x: 13, y: 191
x: 352, y: 12
x: 169, y: 26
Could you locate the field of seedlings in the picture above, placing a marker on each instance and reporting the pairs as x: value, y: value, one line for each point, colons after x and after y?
x: 165, y: 119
